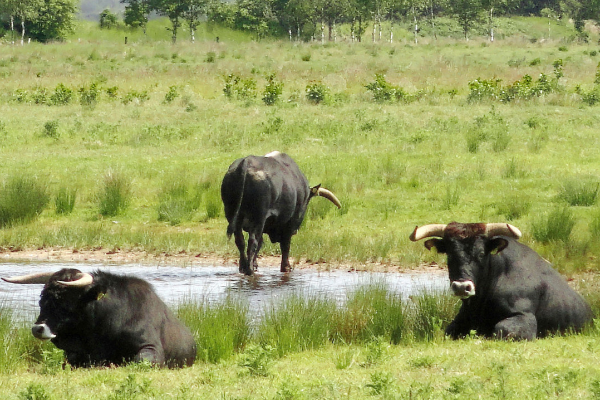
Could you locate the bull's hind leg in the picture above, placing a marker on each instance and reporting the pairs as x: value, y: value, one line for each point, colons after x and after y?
x: 258, y: 247
x: 241, y: 245
x: 285, y: 253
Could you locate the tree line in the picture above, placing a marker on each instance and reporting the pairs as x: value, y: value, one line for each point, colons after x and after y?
x: 45, y: 20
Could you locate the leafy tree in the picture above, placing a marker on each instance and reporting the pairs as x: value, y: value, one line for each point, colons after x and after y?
x: 175, y: 11
x: 467, y: 12
x: 254, y: 16
x: 108, y: 19
x: 136, y: 13
x: 195, y: 9
x: 54, y: 20
x: 221, y: 12
x: 20, y: 10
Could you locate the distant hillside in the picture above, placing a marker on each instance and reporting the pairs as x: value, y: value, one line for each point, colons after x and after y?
x: 91, y: 9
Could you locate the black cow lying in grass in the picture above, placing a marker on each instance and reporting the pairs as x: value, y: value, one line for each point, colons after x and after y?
x: 507, y: 289
x: 103, y: 319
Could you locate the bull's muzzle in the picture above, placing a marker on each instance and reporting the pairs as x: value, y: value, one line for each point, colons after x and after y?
x: 42, y: 332
x: 463, y: 289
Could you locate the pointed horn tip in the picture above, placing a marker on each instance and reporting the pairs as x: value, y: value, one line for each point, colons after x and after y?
x: 413, y: 235
x: 515, y: 231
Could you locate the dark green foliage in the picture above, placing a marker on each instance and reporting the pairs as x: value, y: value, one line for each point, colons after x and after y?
x: 317, y: 93
x: 62, y: 95
x: 89, y: 95
x: 522, y: 89
x: 35, y: 391
x: 383, y: 91
x: 171, y: 95
x: 51, y: 129
x: 133, y: 96
x: 273, y: 89
x: 258, y: 359
x: 239, y: 88
x: 108, y: 19
x: 22, y: 199
x: 54, y: 20
x: 115, y: 195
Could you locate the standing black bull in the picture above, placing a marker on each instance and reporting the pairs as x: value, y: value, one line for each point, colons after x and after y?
x: 507, y: 289
x: 266, y: 195
x: 101, y: 318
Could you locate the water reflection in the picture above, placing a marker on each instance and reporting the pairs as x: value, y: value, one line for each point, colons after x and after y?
x: 213, y: 283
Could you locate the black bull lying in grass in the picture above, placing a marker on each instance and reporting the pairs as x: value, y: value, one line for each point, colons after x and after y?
x: 266, y: 195
x: 507, y: 289
x: 102, y: 319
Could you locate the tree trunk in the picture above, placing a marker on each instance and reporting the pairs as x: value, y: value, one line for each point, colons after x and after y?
x: 12, y: 28
x: 433, y: 21
x: 22, y: 32
x: 492, y: 24
x: 416, y: 25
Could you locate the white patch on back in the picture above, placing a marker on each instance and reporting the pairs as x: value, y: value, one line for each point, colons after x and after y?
x: 273, y: 154
x: 258, y: 175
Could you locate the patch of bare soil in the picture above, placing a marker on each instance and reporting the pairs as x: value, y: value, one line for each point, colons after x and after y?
x: 187, y: 259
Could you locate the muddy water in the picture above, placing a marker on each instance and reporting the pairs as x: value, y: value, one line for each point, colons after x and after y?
x: 177, y: 284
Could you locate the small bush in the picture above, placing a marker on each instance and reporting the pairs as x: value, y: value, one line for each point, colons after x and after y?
x: 258, y: 359
x: 273, y: 90
x: 317, y: 93
x: 130, y: 388
x: 133, y: 96
x: 62, y: 95
x: 513, y: 207
x: 383, y: 91
x: 64, y: 201
x: 88, y: 96
x: 381, y: 383
x: 555, y: 226
x: 305, y: 57
x: 108, y: 19
x: 171, y: 95
x: 34, y: 391
x: 51, y: 129
x: 114, y: 195
x: 240, y: 88
x: 210, y: 57
x: 22, y: 199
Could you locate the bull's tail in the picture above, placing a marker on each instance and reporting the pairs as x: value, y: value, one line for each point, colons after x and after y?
x: 234, y: 221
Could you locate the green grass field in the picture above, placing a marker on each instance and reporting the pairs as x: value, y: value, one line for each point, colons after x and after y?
x: 111, y: 146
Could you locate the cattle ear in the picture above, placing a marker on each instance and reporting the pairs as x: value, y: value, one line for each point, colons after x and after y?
x: 437, y: 243
x: 496, y: 245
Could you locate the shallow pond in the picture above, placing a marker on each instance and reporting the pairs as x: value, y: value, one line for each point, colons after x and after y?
x: 177, y: 284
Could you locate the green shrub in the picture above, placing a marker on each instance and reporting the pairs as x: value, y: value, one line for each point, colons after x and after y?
x: 555, y: 226
x: 240, y: 88
x: 381, y: 383
x: 133, y: 96
x: 210, y: 57
x: 22, y: 199
x: 317, y: 93
x: 39, y: 95
x: 258, y: 359
x: 481, y: 89
x: 114, y: 196
x: 34, y: 391
x: 89, y: 96
x: 383, y: 91
x: 273, y: 90
x: 62, y: 95
x: 51, y: 129
x: 513, y: 207
x: 178, y: 201
x: 171, y: 95
x: 64, y: 201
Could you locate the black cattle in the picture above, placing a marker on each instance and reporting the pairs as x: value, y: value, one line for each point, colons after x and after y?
x: 266, y: 195
x: 507, y: 289
x: 103, y: 319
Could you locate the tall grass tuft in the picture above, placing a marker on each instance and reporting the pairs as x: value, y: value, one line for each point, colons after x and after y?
x: 64, y: 202
x: 114, y: 196
x: 371, y: 312
x: 22, y: 199
x: 178, y: 201
x: 579, y: 192
x: 555, y: 226
x: 297, y: 322
x: 220, y: 329
x: 430, y: 313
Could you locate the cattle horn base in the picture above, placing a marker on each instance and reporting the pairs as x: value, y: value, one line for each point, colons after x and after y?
x: 84, y: 279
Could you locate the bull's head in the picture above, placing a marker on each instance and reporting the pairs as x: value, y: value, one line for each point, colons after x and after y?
x: 58, y: 300
x: 467, y: 247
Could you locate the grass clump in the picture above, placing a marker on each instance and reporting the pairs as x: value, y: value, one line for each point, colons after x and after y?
x: 22, y: 199
x: 178, y: 202
x: 114, y: 196
x: 579, y: 192
x: 64, y: 202
x: 220, y: 330
x: 258, y: 359
x: 554, y: 226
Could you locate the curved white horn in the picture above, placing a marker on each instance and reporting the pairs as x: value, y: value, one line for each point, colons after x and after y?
x: 329, y: 196
x: 495, y: 229
x: 39, y: 278
x: 84, y: 279
x: 430, y: 230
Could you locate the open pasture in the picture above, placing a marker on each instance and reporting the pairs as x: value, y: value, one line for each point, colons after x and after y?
x: 152, y: 120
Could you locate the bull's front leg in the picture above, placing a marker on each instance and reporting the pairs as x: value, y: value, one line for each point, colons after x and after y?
x: 150, y: 354
x: 522, y: 326
x: 461, y: 325
x: 285, y: 253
